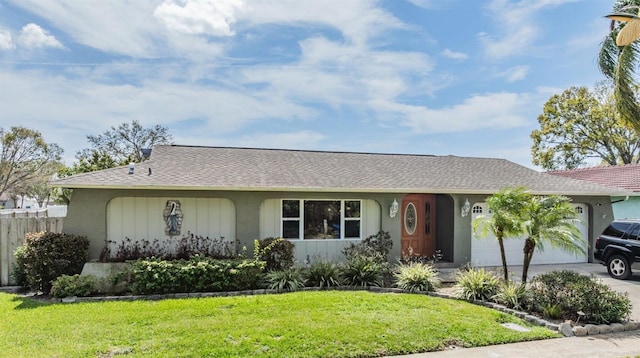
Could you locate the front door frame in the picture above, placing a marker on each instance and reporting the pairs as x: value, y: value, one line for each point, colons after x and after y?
x: 418, y: 221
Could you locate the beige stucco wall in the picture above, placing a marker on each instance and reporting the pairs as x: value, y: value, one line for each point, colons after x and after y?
x: 87, y: 215
x: 87, y: 212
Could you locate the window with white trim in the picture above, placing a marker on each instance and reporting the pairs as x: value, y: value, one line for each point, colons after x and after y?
x: 321, y: 219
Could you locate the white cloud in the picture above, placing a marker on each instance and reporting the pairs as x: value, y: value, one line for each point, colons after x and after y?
x: 196, y: 17
x: 425, y: 4
x: 516, y: 73
x: 127, y: 28
x: 492, y: 110
x: 33, y: 36
x: 357, y: 20
x: 517, y: 28
x: 459, y: 56
x: 81, y: 106
x: 6, y: 42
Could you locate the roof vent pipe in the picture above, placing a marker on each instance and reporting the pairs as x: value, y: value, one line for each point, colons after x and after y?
x: 132, y: 168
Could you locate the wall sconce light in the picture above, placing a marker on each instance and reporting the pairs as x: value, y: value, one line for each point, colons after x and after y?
x: 393, y: 209
x: 466, y: 207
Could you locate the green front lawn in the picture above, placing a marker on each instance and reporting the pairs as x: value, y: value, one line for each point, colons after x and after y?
x: 300, y: 324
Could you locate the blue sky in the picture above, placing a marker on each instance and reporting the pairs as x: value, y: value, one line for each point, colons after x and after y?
x: 441, y: 77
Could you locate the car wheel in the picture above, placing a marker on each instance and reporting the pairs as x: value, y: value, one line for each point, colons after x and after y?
x: 618, y: 267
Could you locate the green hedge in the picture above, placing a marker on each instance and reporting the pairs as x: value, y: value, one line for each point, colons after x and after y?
x: 198, y: 274
x: 47, y: 255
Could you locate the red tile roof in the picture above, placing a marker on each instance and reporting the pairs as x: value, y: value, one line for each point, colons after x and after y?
x: 621, y: 176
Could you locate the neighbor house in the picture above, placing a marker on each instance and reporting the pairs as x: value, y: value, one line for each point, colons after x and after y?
x: 321, y: 201
x: 622, y: 176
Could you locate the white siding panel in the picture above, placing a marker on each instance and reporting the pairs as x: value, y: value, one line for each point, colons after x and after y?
x: 486, y: 252
x: 370, y: 218
x: 142, y: 218
x: 270, y: 218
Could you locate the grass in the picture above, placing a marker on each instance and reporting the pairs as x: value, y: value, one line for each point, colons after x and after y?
x: 300, y: 324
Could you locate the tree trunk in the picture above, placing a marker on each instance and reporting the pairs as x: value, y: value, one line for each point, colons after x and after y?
x: 503, y: 256
x: 529, y: 246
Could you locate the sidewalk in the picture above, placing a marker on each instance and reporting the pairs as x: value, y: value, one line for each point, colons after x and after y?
x: 624, y: 344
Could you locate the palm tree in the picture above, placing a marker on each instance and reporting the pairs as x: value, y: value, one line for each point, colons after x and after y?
x: 506, y: 207
x: 551, y: 219
x: 619, y: 63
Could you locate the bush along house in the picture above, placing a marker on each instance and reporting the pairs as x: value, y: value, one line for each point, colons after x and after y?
x: 319, y: 200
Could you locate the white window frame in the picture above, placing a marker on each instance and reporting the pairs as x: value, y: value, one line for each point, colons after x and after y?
x: 300, y: 219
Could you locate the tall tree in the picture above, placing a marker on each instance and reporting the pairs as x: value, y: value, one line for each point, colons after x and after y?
x: 24, y: 155
x: 123, y: 144
x: 38, y: 187
x: 619, y: 63
x: 550, y: 220
x: 580, y: 124
x: 506, y: 219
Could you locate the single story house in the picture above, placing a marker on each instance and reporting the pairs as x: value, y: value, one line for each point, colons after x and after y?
x: 322, y: 201
x: 621, y: 176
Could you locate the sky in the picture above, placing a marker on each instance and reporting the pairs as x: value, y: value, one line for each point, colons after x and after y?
x: 437, y: 77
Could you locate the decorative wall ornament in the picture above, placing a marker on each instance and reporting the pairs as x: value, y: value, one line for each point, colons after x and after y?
x: 393, y: 209
x: 464, y: 210
x: 173, y: 218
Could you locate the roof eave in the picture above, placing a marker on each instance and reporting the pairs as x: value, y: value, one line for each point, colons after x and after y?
x: 337, y: 189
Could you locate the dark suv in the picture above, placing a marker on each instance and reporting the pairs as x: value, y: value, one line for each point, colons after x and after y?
x: 618, y: 247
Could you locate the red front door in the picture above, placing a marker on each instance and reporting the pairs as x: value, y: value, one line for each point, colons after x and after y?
x: 418, y: 225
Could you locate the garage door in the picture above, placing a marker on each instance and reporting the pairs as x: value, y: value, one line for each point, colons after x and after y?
x: 486, y: 252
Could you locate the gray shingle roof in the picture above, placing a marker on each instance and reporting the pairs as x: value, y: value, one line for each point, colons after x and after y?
x: 216, y: 168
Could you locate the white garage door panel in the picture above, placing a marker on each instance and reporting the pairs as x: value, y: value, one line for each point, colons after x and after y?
x: 485, y: 252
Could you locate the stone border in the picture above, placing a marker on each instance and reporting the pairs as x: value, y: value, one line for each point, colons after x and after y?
x: 566, y: 329
x: 563, y: 328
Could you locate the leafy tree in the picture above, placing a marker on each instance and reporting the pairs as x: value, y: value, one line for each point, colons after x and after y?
x: 550, y: 219
x: 24, y: 155
x: 121, y: 145
x: 115, y: 147
x: 38, y: 187
x: 580, y: 124
x: 506, y: 220
x: 619, y: 63
x: 95, y: 161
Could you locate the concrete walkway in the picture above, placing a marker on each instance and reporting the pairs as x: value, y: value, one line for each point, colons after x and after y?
x: 624, y: 344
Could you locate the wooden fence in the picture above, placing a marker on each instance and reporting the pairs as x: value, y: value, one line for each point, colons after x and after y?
x: 12, y: 233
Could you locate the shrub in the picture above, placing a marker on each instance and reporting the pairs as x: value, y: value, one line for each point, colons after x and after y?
x: 364, y: 271
x: 188, y: 246
x: 48, y: 255
x: 75, y: 285
x: 290, y: 279
x: 552, y: 311
x: 477, y: 284
x: 276, y: 252
x: 376, y: 246
x: 513, y: 295
x: 417, y: 276
x: 573, y: 292
x: 323, y: 274
x: 198, y: 274
x: 17, y: 270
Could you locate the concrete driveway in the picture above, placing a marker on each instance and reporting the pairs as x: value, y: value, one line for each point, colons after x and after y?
x: 631, y: 286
